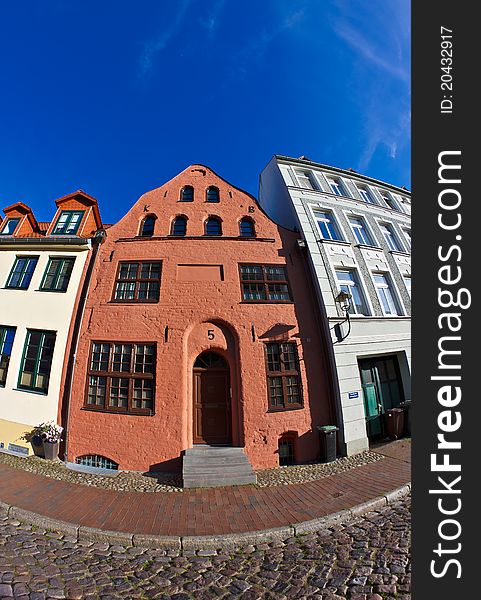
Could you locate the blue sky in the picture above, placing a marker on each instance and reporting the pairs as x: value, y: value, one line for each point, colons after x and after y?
x: 117, y: 97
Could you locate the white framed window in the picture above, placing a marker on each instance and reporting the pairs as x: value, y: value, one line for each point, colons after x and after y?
x: 361, y: 231
x: 391, y: 238
x: 337, y: 186
x: 389, y: 200
x: 386, y: 294
x: 407, y: 281
x: 407, y: 235
x: 306, y: 179
x: 405, y: 205
x: 366, y: 194
x: 348, y: 282
x: 327, y: 225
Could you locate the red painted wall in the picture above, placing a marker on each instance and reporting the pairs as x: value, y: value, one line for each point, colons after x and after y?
x: 193, y: 301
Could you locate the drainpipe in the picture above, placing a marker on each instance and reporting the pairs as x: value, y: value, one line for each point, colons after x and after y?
x: 323, y: 324
x: 97, y: 240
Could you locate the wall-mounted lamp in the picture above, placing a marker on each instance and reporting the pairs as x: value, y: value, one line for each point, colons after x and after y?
x: 343, y: 300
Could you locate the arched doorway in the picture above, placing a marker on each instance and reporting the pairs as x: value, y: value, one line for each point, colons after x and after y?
x: 212, y: 410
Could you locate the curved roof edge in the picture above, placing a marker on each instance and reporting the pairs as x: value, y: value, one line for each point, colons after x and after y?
x: 348, y: 172
x: 228, y: 183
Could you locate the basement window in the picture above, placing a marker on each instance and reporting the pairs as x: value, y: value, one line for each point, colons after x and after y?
x: 287, y: 454
x: 97, y: 462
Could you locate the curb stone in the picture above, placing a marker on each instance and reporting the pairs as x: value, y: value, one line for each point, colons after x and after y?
x: 211, y: 544
x: 233, y: 540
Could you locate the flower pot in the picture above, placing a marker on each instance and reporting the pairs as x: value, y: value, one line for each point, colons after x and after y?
x: 51, y: 450
x: 37, y: 446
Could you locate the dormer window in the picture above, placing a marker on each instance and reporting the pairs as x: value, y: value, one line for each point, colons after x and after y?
x: 187, y: 194
x: 9, y: 226
x: 179, y: 226
x: 68, y: 222
x: 148, y: 226
x: 213, y: 226
x: 212, y: 194
x: 246, y: 228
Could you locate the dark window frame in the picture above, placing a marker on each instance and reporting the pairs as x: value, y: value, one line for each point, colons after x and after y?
x: 251, y: 224
x: 208, y: 194
x: 35, y: 372
x: 137, y: 280
x: 289, y: 438
x: 213, y: 219
x: 22, y: 272
x: 67, y: 222
x: 5, y: 356
x: 58, y: 272
x: 183, y: 191
x: 266, y: 282
x: 284, y: 374
x: 152, y: 218
x: 174, y: 223
x: 131, y: 375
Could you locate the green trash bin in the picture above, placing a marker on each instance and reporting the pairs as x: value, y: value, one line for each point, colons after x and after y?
x: 328, y: 439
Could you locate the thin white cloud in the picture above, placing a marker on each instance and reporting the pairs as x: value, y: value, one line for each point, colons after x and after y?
x: 384, y: 130
x: 213, y: 19
x: 259, y: 45
x: 380, y: 76
x: 153, y: 46
x: 370, y: 53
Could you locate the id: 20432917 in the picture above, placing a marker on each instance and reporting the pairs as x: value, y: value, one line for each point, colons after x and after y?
x: 446, y: 71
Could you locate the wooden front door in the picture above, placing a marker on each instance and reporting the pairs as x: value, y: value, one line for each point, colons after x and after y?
x: 212, y: 414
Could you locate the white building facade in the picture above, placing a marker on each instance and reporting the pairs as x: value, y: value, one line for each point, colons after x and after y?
x: 42, y: 267
x: 356, y: 233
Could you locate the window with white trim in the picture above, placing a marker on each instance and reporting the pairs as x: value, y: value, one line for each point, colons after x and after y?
x: 386, y: 294
x: 306, y: 179
x: 9, y: 226
x: 407, y: 235
x: 407, y: 282
x: 68, y: 222
x: 389, y: 200
x: 366, y: 194
x: 348, y: 282
x: 337, y: 186
x: 327, y: 225
x: 391, y: 238
x: 361, y: 231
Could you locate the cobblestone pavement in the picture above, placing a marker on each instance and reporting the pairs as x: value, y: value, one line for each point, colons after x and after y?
x: 171, y: 482
x: 366, y: 559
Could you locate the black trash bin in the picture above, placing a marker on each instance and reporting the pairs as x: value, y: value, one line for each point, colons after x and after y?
x: 407, y: 417
x: 394, y: 423
x: 328, y: 438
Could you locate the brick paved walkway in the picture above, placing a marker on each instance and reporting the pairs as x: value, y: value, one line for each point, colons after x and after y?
x: 202, y: 511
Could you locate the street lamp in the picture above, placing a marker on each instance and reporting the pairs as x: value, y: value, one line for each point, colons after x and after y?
x: 343, y: 300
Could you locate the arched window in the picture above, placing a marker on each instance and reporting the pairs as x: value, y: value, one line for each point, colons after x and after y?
x: 246, y: 227
x: 187, y: 194
x: 212, y: 194
x: 97, y: 462
x: 147, y: 227
x: 213, y: 226
x: 179, y: 226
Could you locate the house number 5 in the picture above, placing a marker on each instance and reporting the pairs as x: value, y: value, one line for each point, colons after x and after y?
x: 210, y: 334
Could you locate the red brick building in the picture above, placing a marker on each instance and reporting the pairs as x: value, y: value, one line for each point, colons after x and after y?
x: 199, y: 328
